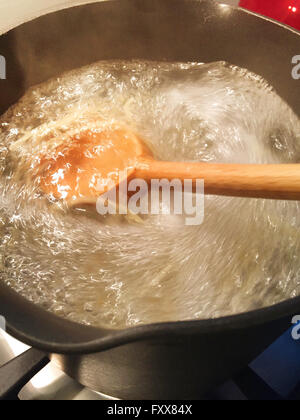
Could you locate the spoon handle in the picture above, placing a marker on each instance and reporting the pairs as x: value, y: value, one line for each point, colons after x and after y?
x: 276, y: 181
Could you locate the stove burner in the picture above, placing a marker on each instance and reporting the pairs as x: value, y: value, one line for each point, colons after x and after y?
x: 274, y: 376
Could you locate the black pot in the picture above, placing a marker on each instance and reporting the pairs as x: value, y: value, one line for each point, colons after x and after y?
x: 179, y: 360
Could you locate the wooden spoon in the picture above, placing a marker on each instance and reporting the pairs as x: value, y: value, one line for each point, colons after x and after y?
x: 89, y: 164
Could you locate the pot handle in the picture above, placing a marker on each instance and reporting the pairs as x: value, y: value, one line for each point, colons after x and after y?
x: 15, y: 374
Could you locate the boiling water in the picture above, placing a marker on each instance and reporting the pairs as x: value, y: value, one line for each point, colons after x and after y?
x: 127, y: 271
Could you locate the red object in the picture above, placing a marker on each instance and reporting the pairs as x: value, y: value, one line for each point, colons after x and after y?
x: 285, y: 11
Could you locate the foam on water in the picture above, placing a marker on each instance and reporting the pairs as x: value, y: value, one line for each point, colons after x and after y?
x: 114, y: 271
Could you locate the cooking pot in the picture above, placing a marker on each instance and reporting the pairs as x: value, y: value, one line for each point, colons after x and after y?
x: 176, y: 360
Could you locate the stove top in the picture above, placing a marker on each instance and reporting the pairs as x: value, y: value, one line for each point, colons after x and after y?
x: 50, y: 383
x: 285, y: 11
x: 275, y: 375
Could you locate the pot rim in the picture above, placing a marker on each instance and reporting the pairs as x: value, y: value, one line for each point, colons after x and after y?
x: 109, y: 338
